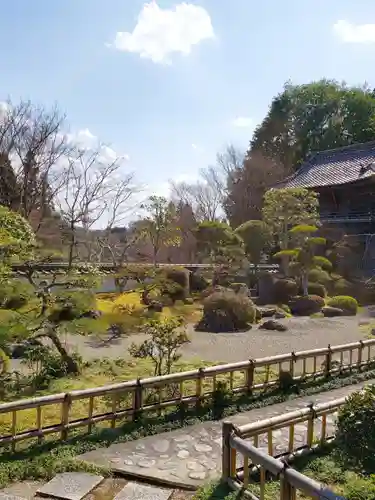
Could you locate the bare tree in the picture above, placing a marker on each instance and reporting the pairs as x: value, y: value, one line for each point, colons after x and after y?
x: 96, y: 191
x: 204, y: 198
x: 208, y: 194
x: 31, y: 145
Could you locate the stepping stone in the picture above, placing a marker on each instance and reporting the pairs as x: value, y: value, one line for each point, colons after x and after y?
x: 70, y: 485
x: 137, y: 491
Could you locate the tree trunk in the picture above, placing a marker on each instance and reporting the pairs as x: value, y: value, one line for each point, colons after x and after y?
x: 305, y: 285
x: 71, y: 245
x: 71, y: 365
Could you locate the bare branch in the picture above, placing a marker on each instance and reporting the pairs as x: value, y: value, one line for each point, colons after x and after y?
x: 96, y: 192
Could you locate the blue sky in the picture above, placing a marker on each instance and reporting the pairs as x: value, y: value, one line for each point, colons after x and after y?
x: 172, y: 111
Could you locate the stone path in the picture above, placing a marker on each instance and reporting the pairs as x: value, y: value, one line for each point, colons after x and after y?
x: 83, y: 486
x: 191, y: 456
x: 185, y: 458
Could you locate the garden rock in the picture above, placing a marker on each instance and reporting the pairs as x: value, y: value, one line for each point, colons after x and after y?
x: 330, y: 312
x: 92, y: 314
x: 267, y: 312
x: 280, y: 315
x: 271, y: 324
x: 155, y: 306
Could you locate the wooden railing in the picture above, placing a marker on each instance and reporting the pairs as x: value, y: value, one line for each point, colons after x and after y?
x: 245, y: 466
x: 127, y: 400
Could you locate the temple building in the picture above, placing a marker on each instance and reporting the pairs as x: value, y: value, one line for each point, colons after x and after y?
x: 344, y: 178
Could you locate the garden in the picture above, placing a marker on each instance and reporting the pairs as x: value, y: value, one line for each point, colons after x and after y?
x: 160, y: 326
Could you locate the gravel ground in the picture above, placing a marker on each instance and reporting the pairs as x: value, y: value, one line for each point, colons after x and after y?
x: 302, y: 334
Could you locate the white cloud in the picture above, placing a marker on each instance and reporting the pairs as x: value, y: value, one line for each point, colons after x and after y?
x: 4, y: 108
x: 108, y: 154
x: 354, y: 33
x: 161, y: 32
x: 194, y: 146
x: 85, y: 140
x: 243, y: 122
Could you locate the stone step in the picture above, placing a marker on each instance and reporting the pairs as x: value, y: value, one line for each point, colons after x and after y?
x: 80, y: 486
x: 70, y: 485
x: 138, y: 491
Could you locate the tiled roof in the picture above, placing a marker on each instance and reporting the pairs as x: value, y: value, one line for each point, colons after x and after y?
x: 334, y: 167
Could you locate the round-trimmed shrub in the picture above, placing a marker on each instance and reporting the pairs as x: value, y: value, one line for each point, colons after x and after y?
x: 306, y: 305
x: 227, y: 311
x: 317, y: 289
x: 355, y: 434
x: 319, y: 275
x: 178, y: 275
x: 283, y: 290
x: 347, y: 304
x: 198, y: 282
x: 175, y: 283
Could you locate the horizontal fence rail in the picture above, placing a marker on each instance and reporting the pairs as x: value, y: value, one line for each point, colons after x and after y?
x: 42, y: 266
x: 126, y: 401
x: 248, y: 463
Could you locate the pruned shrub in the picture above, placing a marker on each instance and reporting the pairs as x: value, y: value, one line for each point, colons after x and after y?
x: 342, y: 286
x: 72, y: 304
x: 220, y: 399
x: 286, y: 381
x: 283, y: 290
x: 223, y: 279
x: 226, y: 311
x: 318, y: 275
x: 15, y: 294
x: 285, y: 308
x: 355, y: 435
x: 178, y: 275
x: 176, y: 284
x: 198, y: 282
x: 317, y: 289
x: 306, y: 305
x: 347, y: 304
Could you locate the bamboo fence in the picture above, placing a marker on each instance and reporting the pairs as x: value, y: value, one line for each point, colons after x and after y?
x: 241, y: 447
x: 125, y: 401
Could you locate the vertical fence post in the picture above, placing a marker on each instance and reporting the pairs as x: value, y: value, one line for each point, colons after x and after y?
x: 138, y: 400
x: 227, y: 430
x: 198, y: 390
x: 250, y: 376
x: 310, y: 425
x: 286, y: 489
x: 291, y: 364
x: 328, y: 361
x: 65, y: 409
x: 360, y: 351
